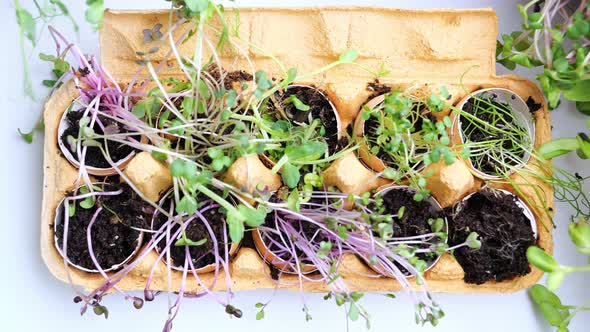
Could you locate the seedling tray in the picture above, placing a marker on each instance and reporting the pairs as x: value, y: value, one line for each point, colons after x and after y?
x: 422, y: 49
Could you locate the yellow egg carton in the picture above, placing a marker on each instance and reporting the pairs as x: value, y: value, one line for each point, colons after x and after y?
x: 423, y: 49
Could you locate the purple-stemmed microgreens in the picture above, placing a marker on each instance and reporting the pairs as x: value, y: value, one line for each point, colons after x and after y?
x: 162, y: 234
x: 201, y: 112
x: 110, y: 107
x: 339, y: 231
x: 92, y: 300
x: 221, y: 260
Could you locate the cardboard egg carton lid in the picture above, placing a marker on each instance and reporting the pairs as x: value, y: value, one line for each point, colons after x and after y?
x: 424, y: 49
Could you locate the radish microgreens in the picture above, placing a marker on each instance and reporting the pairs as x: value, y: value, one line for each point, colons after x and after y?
x: 60, y: 67
x: 28, y: 29
x: 319, y: 231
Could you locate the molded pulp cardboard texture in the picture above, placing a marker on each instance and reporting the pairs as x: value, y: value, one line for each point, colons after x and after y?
x: 423, y: 49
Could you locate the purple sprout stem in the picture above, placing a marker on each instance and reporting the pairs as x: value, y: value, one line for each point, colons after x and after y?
x: 64, y: 248
x: 200, y: 215
x: 179, y: 296
x: 76, y: 51
x: 118, y: 276
x: 93, y: 257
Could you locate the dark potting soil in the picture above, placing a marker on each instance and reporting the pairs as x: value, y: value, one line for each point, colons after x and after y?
x: 486, y: 163
x: 94, y: 156
x: 196, y: 230
x: 533, y: 105
x: 377, y: 89
x: 414, y: 220
x: 231, y: 77
x: 237, y: 76
x: 372, y: 124
x: 320, y: 108
x: 505, y: 234
x: 113, y: 239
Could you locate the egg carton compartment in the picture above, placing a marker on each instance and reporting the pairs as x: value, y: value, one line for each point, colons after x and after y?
x: 430, y: 49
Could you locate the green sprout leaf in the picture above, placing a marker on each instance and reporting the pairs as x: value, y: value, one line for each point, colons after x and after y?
x: 401, y: 212
x: 177, y: 168
x: 540, y: 294
x: 473, y: 241
x: 231, y: 98
x: 348, y: 56
x: 580, y: 235
x: 214, y: 153
x: 88, y: 202
x: 390, y: 173
x: 551, y: 314
x: 308, y: 151
x: 558, y: 147
x: 221, y: 163
x: 555, y: 279
x: 95, y: 11
x: 71, y: 209
x: 253, y: 217
x: 101, y: 310
x: 583, y: 107
x: 325, y: 248
x: 438, y: 224
x: 290, y: 175
x: 184, y: 241
x: 138, y: 110
x: 161, y: 156
x: 313, y: 180
x: 49, y: 83
x: 60, y: 68
x: 539, y: 258
x: 197, y: 6
x: 584, y: 143
x: 26, y: 23
x: 291, y: 75
x: 28, y: 137
x: 292, y: 99
x: 293, y: 201
x: 353, y: 312
x: 579, y: 92
x: 219, y: 160
x: 235, y: 222
x: 187, y: 204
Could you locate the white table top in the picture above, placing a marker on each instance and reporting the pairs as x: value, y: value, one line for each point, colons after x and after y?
x: 38, y: 302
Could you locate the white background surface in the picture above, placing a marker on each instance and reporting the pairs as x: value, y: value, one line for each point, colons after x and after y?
x: 32, y: 300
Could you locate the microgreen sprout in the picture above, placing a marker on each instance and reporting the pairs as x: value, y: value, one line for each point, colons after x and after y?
x: 556, y: 36
x: 561, y: 146
x: 404, y: 135
x: 497, y: 138
x: 27, y: 21
x: 554, y: 312
x: 320, y: 231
